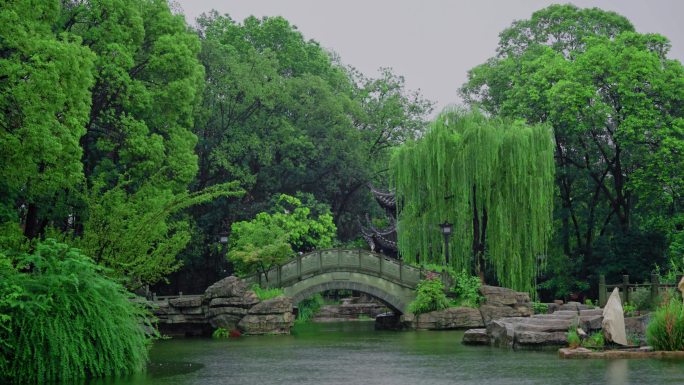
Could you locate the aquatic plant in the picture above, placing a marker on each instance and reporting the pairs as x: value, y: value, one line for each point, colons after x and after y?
x: 307, y: 308
x: 62, y: 319
x: 665, y: 331
x: 574, y: 340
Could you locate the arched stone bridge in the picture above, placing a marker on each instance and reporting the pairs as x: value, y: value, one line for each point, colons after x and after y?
x: 387, y: 279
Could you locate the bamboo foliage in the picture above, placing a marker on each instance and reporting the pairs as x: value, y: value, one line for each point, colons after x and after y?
x: 472, y: 169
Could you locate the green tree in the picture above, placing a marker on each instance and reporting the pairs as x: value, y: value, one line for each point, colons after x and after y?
x: 44, y: 105
x: 492, y: 179
x: 272, y: 238
x: 614, y: 101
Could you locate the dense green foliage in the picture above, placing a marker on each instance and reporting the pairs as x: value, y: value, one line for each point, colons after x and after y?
x: 61, y: 319
x: 615, y: 102
x: 271, y: 239
x: 308, y: 308
x: 467, y: 289
x: 492, y: 179
x: 665, y: 330
x: 268, y: 293
x: 430, y: 296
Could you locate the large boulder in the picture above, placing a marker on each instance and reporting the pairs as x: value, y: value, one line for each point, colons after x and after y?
x: 476, y: 337
x: 275, y: 305
x: 227, y: 287
x: 266, y: 323
x: 494, y: 312
x: 450, y: 318
x: 614, y: 320
x: 247, y: 300
x: 501, y: 296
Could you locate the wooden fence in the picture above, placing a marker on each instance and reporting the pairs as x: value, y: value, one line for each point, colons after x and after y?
x: 654, y: 287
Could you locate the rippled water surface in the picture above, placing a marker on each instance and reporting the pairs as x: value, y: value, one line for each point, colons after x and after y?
x: 353, y: 353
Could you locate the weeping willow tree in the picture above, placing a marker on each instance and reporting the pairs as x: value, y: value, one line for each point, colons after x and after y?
x: 492, y: 179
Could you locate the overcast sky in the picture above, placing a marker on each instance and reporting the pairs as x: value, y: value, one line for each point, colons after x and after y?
x: 432, y: 43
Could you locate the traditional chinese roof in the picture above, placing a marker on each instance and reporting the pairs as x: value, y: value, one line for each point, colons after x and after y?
x: 386, y: 199
x: 382, y: 240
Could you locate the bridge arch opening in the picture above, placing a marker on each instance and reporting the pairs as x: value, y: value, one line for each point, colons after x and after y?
x: 396, y: 305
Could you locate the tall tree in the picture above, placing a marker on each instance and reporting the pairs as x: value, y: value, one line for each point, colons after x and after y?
x: 45, y: 82
x: 492, y: 179
x: 614, y: 101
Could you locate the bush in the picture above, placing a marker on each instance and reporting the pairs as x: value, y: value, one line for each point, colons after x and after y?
x: 540, y: 308
x: 62, y: 319
x: 594, y: 341
x: 467, y: 289
x: 665, y: 331
x: 307, y: 308
x: 574, y: 340
x: 220, y: 333
x: 430, y: 296
x: 267, y: 293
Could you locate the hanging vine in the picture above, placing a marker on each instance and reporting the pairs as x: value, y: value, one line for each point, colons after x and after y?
x: 492, y: 179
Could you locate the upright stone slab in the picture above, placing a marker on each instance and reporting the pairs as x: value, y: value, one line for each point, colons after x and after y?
x: 614, y: 320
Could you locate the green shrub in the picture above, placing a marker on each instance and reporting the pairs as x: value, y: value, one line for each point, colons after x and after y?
x: 665, y: 330
x: 62, y: 319
x: 220, y: 333
x: 641, y: 298
x: 629, y: 309
x: 307, y: 308
x: 467, y: 289
x: 267, y: 293
x: 430, y: 296
x: 540, y: 308
x: 594, y: 341
x: 573, y: 338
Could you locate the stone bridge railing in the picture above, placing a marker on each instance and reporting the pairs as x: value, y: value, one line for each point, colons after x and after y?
x: 340, y: 260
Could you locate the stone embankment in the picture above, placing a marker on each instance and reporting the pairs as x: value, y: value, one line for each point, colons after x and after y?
x: 498, y: 302
x: 227, y: 304
x: 547, y: 329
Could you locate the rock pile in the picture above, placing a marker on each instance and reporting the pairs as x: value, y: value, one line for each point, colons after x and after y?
x: 226, y: 304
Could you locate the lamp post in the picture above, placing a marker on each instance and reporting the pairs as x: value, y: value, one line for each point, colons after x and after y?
x: 446, y: 231
x: 223, y: 241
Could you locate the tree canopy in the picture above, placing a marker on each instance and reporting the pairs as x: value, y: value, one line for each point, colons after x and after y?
x: 492, y: 179
x: 614, y: 101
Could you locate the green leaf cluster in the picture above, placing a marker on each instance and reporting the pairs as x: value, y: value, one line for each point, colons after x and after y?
x: 61, y: 319
x: 467, y: 289
x: 272, y: 238
x: 430, y: 296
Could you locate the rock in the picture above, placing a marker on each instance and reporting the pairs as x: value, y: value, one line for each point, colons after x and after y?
x: 267, y: 323
x: 226, y: 321
x: 552, y: 307
x: 273, y: 306
x: 248, y: 300
x: 192, y: 310
x: 574, y: 306
x: 540, y: 338
x: 476, y: 337
x: 186, y: 302
x: 591, y: 312
x: 227, y: 287
x: 501, y: 296
x: 591, y: 322
x: 501, y: 333
x: 491, y: 312
x: 450, y: 318
x: 236, y: 311
x: 636, y: 325
x: 613, y: 320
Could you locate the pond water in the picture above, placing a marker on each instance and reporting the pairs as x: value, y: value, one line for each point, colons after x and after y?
x: 353, y: 353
